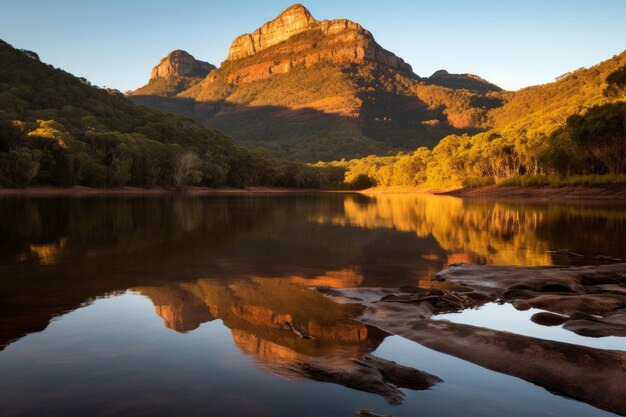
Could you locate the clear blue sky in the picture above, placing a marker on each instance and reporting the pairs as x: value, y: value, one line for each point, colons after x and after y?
x: 115, y: 43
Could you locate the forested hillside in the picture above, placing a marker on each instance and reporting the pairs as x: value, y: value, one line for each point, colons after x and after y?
x: 574, y: 126
x: 59, y: 130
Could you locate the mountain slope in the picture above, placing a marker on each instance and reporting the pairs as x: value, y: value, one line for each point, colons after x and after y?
x: 58, y: 129
x: 543, y: 108
x: 312, y: 90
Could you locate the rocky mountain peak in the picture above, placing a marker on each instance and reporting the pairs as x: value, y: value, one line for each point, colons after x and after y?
x: 180, y: 63
x: 296, y: 13
x: 440, y: 73
x: 339, y: 40
x: 462, y: 81
x: 295, y: 19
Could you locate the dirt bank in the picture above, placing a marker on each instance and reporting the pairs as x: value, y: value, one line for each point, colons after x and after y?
x: 80, y: 191
x: 612, y: 193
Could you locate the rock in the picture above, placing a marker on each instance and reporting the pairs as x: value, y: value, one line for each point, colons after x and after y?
x: 441, y: 301
x: 365, y: 413
x: 586, y: 374
x: 595, y: 328
x: 613, y: 324
x: 579, y: 315
x: 589, y: 289
x: 402, y: 376
x: 548, y: 319
x: 295, y: 19
x: 372, y: 374
x: 587, y: 294
x: 498, y: 279
x: 567, y: 304
x: 179, y: 63
x: 350, y: 43
x: 360, y: 378
x: 177, y: 72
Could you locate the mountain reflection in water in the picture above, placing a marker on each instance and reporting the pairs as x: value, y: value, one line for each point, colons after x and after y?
x: 252, y: 262
x: 256, y: 310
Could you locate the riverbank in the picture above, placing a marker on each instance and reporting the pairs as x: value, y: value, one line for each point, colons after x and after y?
x: 605, y: 193
x: 602, y: 194
x: 574, y: 194
x: 79, y: 191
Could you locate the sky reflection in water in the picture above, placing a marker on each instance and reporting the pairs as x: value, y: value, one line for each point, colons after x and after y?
x: 198, y: 288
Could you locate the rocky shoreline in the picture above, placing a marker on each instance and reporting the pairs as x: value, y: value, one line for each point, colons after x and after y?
x: 590, y: 301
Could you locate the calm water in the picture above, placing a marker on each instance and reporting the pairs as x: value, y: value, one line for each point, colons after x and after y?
x: 168, y: 306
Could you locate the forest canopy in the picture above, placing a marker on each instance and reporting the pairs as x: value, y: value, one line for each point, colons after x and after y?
x: 57, y: 129
x: 584, y: 133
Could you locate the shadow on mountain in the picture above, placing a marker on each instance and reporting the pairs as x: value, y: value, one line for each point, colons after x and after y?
x: 387, y: 124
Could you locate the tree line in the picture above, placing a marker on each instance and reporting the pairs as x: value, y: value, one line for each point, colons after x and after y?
x: 593, y: 142
x: 57, y: 129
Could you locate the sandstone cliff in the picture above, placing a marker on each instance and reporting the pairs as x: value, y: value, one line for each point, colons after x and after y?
x: 175, y: 73
x: 346, y: 41
x: 180, y: 63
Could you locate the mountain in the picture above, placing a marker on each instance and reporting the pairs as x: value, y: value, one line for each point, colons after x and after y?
x: 545, y: 107
x: 57, y: 129
x: 177, y: 72
x: 462, y: 81
x: 572, y: 126
x: 318, y: 90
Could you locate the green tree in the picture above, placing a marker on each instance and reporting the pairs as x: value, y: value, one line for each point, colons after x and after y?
x: 602, y: 130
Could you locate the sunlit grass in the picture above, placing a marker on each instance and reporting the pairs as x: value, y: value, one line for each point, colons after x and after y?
x: 477, y: 182
x: 556, y: 181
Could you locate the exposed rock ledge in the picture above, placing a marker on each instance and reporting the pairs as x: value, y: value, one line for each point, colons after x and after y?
x: 593, y: 295
x: 180, y: 63
x: 296, y: 20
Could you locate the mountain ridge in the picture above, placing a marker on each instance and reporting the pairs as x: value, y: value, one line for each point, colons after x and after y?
x: 312, y: 89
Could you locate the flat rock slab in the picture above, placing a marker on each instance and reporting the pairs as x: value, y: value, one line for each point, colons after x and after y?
x: 597, y: 291
x: 370, y: 374
x: 591, y: 375
x: 588, y: 300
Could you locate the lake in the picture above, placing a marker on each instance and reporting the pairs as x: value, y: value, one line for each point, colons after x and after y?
x: 175, y: 305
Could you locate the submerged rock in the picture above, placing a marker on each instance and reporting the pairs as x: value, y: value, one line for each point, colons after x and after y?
x: 371, y: 374
x: 365, y: 413
x: 587, y: 325
x: 591, y: 290
x: 441, y: 301
x: 591, y: 302
x: 548, y: 319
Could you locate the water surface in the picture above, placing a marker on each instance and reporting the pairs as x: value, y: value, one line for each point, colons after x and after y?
x: 175, y: 305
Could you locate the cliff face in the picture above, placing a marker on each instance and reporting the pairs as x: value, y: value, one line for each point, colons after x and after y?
x: 180, y: 63
x: 175, y: 73
x: 307, y: 42
x: 296, y: 19
x: 343, y: 41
